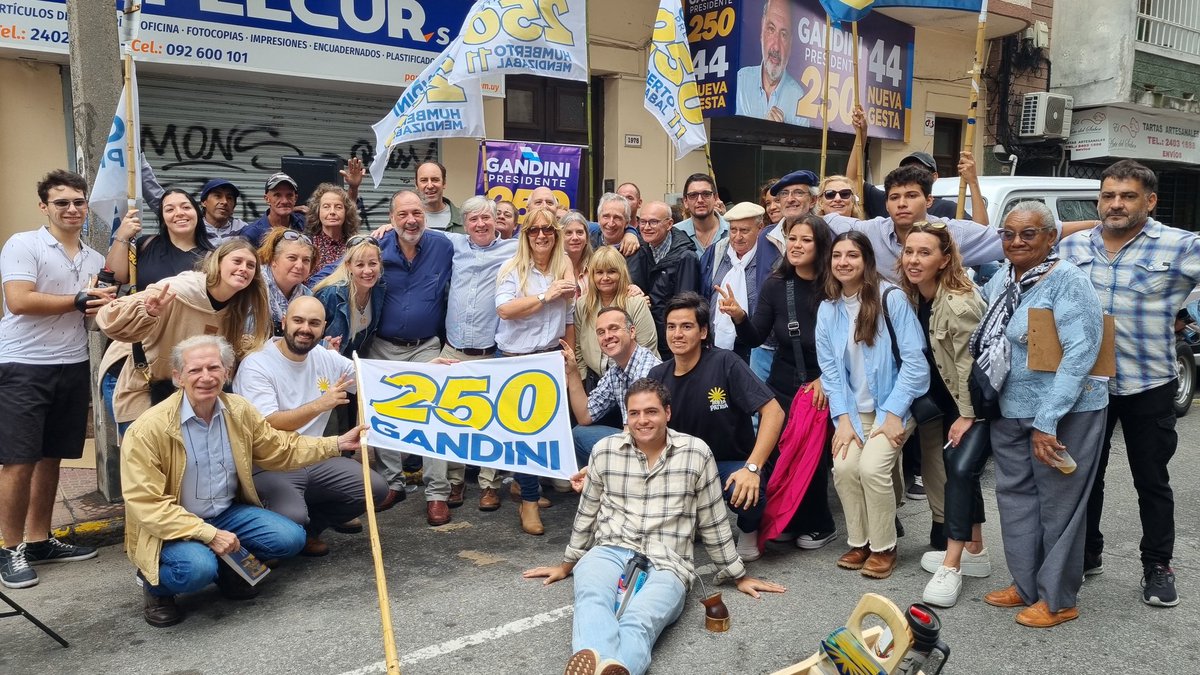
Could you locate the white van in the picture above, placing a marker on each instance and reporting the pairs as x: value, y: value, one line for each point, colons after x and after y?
x: 1068, y: 198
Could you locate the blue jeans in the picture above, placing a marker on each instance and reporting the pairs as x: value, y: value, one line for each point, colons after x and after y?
x: 761, y: 359
x: 586, y: 438
x: 628, y: 639
x: 108, y: 386
x: 186, y: 566
x: 748, y: 519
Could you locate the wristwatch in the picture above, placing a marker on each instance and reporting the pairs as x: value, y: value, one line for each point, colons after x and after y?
x: 541, y: 298
x: 752, y: 468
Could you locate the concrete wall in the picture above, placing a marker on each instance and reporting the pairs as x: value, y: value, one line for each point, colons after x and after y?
x: 34, y: 139
x: 1168, y: 76
x: 1093, y: 50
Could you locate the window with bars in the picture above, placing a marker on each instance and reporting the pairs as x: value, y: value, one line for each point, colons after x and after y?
x: 1172, y: 25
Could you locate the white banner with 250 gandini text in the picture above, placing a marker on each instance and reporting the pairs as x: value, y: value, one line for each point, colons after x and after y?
x: 509, y: 414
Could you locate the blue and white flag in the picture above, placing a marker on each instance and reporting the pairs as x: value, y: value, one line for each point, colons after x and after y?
x: 546, y: 37
x: 855, y: 10
x: 110, y: 199
x: 671, y: 93
x: 430, y: 107
x: 509, y: 414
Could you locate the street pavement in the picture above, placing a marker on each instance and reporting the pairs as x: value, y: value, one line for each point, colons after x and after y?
x: 459, y: 604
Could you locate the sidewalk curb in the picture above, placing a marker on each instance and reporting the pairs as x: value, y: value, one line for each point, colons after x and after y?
x: 103, y: 532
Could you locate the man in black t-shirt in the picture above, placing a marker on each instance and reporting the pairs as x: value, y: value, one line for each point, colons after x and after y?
x: 715, y: 396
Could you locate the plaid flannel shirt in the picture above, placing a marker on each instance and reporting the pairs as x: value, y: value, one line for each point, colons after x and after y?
x: 610, y: 390
x: 656, y: 510
x: 1142, y: 288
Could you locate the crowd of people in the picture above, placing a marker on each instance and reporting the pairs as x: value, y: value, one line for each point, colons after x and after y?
x: 739, y: 358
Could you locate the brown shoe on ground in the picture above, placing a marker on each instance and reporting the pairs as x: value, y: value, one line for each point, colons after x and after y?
x: 582, y: 662
x: 314, y: 547
x: 611, y: 667
x: 514, y: 491
x: 437, y: 513
x: 854, y: 558
x: 160, y: 610
x: 393, y: 498
x: 879, y: 564
x: 456, y: 495
x: 352, y: 526
x: 489, y: 499
x: 1038, y: 615
x: 531, y: 520
x: 1005, y: 597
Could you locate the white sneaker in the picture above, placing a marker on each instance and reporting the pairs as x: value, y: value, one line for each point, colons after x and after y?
x: 943, y: 589
x: 747, y: 546
x: 970, y: 565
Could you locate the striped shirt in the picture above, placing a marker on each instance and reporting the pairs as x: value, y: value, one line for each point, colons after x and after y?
x: 1142, y: 287
x: 610, y: 390
x: 656, y: 510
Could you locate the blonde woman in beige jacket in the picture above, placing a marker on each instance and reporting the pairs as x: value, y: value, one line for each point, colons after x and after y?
x: 227, y: 297
x: 949, y: 309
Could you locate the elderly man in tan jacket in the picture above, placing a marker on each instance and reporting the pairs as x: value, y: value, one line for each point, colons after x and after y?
x: 186, y: 479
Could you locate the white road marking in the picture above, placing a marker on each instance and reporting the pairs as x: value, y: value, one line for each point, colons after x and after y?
x: 451, y: 646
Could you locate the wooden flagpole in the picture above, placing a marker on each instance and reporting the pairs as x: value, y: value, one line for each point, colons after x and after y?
x: 973, y: 105
x: 130, y: 153
x: 858, y: 147
x: 391, y: 659
x: 825, y: 98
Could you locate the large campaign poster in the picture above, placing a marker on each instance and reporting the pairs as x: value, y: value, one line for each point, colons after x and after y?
x: 766, y: 59
x: 509, y: 414
x: 373, y: 41
x: 510, y: 170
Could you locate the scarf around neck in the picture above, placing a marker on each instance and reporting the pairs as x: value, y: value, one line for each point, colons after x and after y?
x: 989, y: 346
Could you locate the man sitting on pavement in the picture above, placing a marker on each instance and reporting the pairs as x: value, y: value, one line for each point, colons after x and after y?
x: 716, y: 397
x: 628, y: 362
x: 280, y: 195
x: 648, y: 492
x: 186, y: 480
x: 296, y: 383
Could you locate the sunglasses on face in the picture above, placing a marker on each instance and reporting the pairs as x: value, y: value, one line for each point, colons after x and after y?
x: 361, y: 239
x: 64, y: 204
x: 844, y: 194
x: 1026, y: 235
x: 544, y: 229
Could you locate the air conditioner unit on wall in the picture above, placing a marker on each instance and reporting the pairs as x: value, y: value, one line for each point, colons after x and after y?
x: 1046, y: 115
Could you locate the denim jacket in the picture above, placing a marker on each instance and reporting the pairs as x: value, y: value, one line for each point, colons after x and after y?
x: 336, y: 300
x: 892, y: 386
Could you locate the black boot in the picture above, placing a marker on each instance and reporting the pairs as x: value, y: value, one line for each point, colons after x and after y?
x: 232, y: 585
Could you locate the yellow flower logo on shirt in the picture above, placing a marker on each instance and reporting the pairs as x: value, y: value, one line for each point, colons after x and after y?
x: 323, y: 384
x: 717, y: 400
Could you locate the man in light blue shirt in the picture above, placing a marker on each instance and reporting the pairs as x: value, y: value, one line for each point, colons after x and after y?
x: 767, y: 91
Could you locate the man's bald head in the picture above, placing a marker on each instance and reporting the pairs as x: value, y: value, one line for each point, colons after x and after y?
x: 654, y: 222
x: 303, y: 325
x: 542, y: 198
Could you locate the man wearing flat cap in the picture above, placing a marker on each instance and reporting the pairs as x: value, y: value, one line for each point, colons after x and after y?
x: 280, y: 195
x: 738, y: 264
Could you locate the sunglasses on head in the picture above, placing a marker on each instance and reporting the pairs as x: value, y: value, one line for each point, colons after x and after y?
x: 292, y: 235
x: 361, y: 239
x: 844, y: 194
x: 925, y: 225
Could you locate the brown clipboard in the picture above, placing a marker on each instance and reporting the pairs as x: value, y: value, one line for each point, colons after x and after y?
x: 1045, y: 350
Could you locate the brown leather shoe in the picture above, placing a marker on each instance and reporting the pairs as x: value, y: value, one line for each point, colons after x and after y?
x: 531, y: 520
x: 879, y: 564
x: 352, y: 526
x: 160, y: 610
x: 456, y: 495
x: 1005, y: 597
x: 393, y: 498
x: 437, y: 513
x: 582, y: 662
x: 1039, y: 615
x: 489, y: 499
x: 514, y: 491
x: 854, y: 558
x: 314, y: 547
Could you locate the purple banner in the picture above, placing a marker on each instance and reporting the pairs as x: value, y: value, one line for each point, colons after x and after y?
x: 510, y: 170
x: 771, y: 64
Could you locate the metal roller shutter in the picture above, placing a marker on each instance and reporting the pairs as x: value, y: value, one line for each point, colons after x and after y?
x: 194, y: 130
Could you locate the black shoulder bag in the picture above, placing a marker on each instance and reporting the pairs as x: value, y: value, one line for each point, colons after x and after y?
x: 923, y: 408
x: 801, y: 375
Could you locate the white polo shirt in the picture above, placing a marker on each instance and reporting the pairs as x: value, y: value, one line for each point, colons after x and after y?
x: 273, y: 382
x: 45, y: 340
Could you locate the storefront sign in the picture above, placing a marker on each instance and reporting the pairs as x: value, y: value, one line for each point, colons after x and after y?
x: 509, y: 414
x: 510, y: 170
x: 372, y: 41
x: 733, y: 43
x: 1114, y: 132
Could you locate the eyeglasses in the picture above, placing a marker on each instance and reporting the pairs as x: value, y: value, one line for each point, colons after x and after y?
x: 64, y: 204
x: 652, y: 222
x: 361, y: 239
x: 1026, y: 235
x: 544, y: 229
x: 703, y: 194
x: 798, y: 192
x: 844, y: 194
